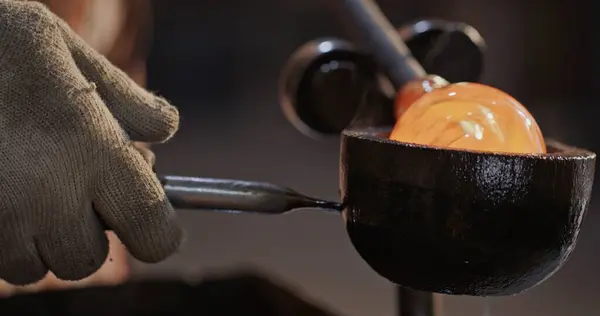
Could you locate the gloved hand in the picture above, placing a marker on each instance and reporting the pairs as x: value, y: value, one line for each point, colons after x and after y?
x: 68, y: 166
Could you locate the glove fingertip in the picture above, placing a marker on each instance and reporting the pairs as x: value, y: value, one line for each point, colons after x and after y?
x: 170, y: 120
x: 160, y: 124
x: 159, y: 246
x: 134, y: 205
x: 155, y: 236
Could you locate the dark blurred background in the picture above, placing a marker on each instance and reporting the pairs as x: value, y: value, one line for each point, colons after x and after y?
x: 219, y: 62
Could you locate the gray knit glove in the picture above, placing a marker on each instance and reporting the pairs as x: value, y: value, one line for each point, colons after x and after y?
x: 68, y: 166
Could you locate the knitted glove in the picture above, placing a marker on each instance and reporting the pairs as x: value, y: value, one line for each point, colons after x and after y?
x: 68, y: 165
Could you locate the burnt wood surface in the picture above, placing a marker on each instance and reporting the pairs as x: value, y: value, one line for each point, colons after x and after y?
x: 462, y: 222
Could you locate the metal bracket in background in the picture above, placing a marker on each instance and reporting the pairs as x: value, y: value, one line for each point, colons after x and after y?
x: 330, y: 84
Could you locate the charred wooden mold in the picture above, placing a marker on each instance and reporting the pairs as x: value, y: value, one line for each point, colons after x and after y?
x: 462, y: 222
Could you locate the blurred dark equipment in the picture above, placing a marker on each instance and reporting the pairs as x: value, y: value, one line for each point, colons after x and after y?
x: 242, y: 294
x: 331, y: 84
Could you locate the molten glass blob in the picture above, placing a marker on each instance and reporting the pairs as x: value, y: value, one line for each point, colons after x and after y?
x: 414, y: 90
x: 469, y: 116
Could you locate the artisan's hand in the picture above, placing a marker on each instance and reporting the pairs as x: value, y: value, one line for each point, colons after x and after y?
x: 67, y: 119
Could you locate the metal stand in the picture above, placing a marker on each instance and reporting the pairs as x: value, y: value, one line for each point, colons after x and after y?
x: 414, y: 303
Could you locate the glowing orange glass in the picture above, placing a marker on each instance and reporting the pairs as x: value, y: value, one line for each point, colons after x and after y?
x: 467, y: 116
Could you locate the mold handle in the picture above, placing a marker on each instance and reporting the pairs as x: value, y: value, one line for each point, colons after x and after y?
x: 235, y: 196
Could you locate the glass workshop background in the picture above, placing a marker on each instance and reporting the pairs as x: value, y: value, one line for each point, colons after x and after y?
x: 219, y: 61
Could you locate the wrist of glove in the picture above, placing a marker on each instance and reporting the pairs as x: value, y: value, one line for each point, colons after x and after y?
x: 68, y: 118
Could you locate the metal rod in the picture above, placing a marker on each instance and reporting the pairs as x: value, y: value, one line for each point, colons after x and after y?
x: 377, y: 36
x: 415, y: 303
x: 238, y: 196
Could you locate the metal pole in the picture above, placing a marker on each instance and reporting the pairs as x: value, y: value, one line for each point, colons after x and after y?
x: 416, y: 303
